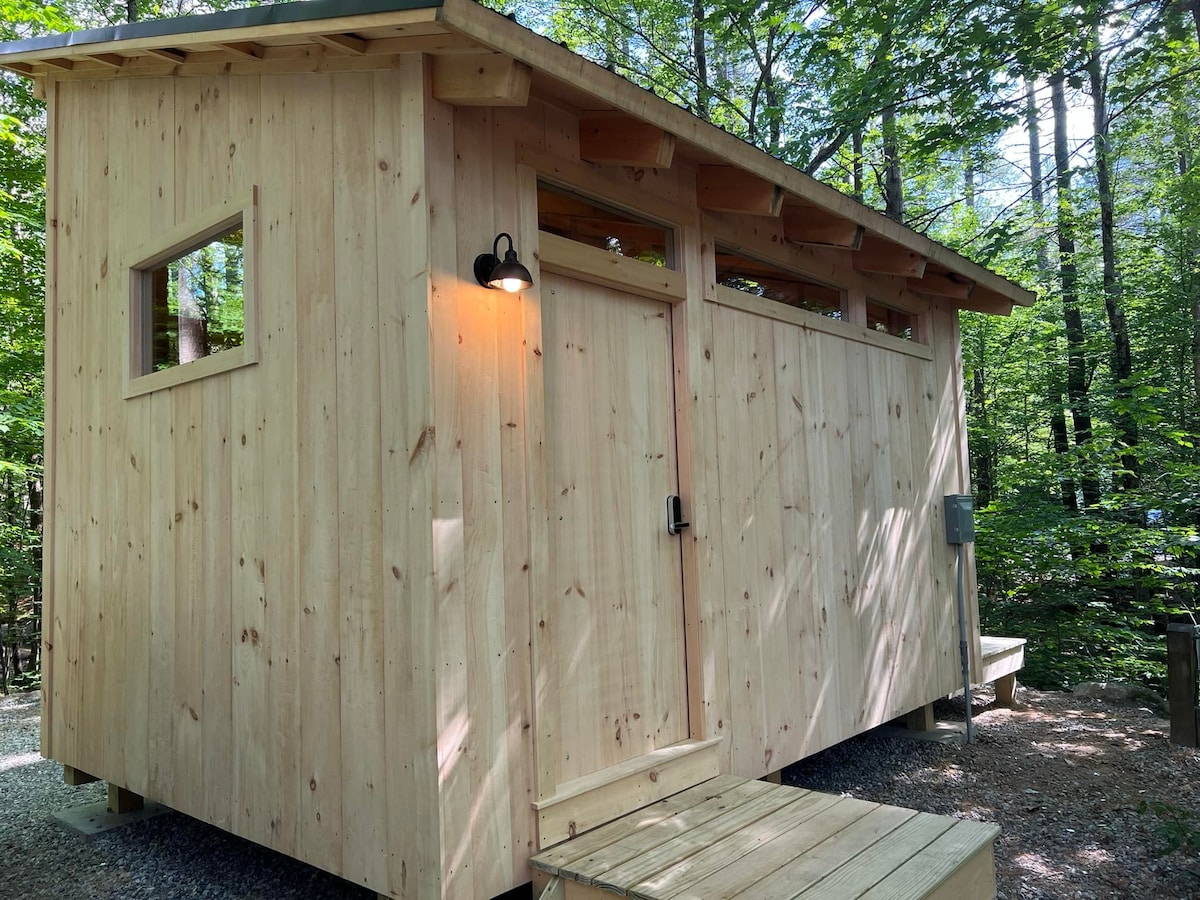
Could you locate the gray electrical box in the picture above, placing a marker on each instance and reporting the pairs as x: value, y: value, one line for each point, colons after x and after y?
x: 960, y: 518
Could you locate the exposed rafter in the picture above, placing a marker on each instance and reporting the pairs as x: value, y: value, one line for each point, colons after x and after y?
x: 807, y: 224
x: 342, y: 43
x: 730, y: 189
x: 171, y: 56
x: 884, y: 257
x: 481, y: 79
x: 625, y: 141
x: 245, y: 49
x: 111, y: 60
x: 942, y: 284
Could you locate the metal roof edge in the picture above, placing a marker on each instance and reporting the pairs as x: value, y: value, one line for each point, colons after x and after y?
x: 271, y: 14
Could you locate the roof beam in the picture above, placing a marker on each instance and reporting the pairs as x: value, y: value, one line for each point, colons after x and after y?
x: 172, y: 56
x: 942, y: 284
x: 730, y: 189
x: 111, y: 60
x: 806, y: 224
x: 245, y: 49
x: 985, y: 300
x: 625, y: 141
x: 481, y: 79
x: 342, y: 43
x: 63, y: 65
x: 883, y: 257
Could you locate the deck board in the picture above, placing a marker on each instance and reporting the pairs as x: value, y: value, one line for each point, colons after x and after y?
x: 692, y: 840
x: 788, y: 848
x: 651, y: 840
x: 664, y: 812
x: 733, y: 838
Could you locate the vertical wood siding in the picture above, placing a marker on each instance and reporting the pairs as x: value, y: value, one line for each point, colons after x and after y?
x: 240, y: 625
x: 295, y: 599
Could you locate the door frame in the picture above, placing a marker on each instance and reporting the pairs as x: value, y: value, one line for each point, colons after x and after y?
x: 682, y: 289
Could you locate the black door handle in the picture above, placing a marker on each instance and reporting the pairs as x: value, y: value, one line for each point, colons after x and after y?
x: 675, y: 523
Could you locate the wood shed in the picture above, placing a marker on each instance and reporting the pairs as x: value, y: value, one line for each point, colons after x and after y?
x: 369, y: 563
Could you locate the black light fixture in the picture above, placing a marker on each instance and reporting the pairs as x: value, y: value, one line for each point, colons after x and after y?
x: 508, y: 275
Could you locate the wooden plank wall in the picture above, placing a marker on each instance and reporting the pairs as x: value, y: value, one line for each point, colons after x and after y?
x: 294, y: 599
x: 483, y: 345
x: 831, y: 468
x: 241, y: 619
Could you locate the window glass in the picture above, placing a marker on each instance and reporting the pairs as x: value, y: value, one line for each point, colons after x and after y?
x: 196, y: 303
x: 580, y: 219
x: 770, y: 282
x: 890, y: 321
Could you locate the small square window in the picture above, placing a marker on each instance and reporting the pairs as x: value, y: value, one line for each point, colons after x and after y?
x: 577, y: 218
x: 891, y: 321
x: 192, y: 301
x: 197, y: 303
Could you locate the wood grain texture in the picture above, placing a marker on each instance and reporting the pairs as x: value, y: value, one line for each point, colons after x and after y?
x: 414, y: 853
x: 615, y: 600
x: 821, y: 453
x: 367, y: 639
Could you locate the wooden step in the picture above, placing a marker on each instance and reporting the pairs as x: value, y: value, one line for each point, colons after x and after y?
x: 602, y: 796
x: 749, y: 840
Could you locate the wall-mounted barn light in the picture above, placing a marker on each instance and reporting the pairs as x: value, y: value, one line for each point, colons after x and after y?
x: 508, y: 275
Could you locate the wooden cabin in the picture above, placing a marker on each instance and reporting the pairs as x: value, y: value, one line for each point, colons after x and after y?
x: 362, y: 560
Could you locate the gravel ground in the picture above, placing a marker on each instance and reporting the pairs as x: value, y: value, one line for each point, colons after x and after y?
x: 1063, y: 777
x: 169, y: 857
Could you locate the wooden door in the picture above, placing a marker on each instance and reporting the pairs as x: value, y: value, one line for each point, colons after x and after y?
x: 609, y: 656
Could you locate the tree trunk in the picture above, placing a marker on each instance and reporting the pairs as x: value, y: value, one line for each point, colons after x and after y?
x: 1062, y: 446
x: 893, y: 183
x: 982, y: 450
x: 1190, y: 278
x: 969, y: 181
x: 1077, y: 361
x: 1036, y: 186
x: 1122, y: 355
x: 856, y: 143
x: 774, y: 125
x: 131, y: 10
x: 700, y: 52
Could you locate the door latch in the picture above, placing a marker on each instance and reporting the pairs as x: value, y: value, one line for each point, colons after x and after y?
x: 675, y: 523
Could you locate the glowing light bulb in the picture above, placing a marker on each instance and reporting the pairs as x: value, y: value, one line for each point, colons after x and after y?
x: 512, y: 285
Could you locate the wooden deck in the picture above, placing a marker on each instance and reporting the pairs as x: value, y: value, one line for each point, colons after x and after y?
x: 750, y: 840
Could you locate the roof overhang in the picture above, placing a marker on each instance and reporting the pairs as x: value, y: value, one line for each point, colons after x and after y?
x: 331, y: 35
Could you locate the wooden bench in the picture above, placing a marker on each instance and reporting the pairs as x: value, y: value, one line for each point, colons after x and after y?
x: 1003, y: 657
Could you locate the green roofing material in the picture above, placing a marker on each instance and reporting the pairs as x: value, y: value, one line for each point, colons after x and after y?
x: 273, y: 14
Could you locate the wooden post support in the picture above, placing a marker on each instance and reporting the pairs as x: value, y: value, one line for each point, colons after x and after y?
x: 1183, y: 647
x: 775, y: 777
x: 1006, y: 690
x: 920, y: 719
x: 75, y: 777
x: 121, y: 801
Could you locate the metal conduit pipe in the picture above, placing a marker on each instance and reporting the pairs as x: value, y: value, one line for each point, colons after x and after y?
x: 963, y: 649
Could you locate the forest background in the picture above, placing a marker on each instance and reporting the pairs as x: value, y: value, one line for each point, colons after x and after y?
x: 1056, y: 142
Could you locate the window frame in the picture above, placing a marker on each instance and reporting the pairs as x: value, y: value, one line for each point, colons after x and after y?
x: 191, y: 235
x: 842, y: 309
